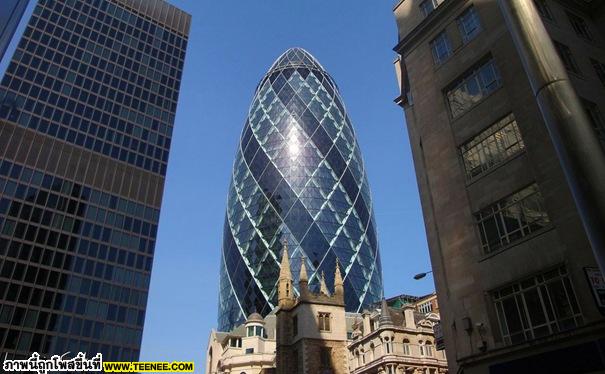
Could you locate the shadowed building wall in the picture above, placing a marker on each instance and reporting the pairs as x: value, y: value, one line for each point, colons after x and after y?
x: 510, y: 256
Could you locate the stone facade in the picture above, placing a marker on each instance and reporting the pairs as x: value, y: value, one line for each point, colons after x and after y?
x: 482, y: 154
x: 249, y: 348
x: 311, y: 333
x: 395, y: 341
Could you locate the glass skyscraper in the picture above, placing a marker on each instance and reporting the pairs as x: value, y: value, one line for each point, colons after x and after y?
x: 87, y: 108
x: 298, y: 177
x: 11, y: 12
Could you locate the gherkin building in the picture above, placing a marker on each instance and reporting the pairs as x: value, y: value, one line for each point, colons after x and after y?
x: 298, y: 177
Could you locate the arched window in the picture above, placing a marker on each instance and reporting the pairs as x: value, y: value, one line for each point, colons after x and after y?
x: 387, y: 345
x: 428, y: 348
x: 372, y: 352
x: 421, y: 346
x: 406, y: 347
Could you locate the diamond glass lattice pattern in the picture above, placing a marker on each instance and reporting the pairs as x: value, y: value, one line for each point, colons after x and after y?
x: 298, y: 176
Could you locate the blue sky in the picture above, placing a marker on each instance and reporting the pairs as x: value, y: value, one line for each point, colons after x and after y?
x: 231, y: 46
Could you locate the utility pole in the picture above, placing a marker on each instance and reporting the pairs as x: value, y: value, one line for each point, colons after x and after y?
x: 572, y: 135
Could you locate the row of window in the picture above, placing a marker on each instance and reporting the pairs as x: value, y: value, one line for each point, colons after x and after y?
x: 468, y: 26
x: 425, y: 348
x: 107, y: 17
x: 37, y: 213
x: 578, y: 23
x: 34, y: 274
x: 473, y: 86
x: 537, y: 306
x: 34, y: 321
x: 24, y: 341
x: 582, y: 29
x: 570, y: 64
x: 119, y: 57
x: 50, y: 183
x: 23, y: 220
x: 428, y: 6
x: 40, y: 124
x: 117, y: 152
x: 512, y: 218
x: 256, y: 331
x: 119, y: 65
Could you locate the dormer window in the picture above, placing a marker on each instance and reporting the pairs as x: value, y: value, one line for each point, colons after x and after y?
x: 235, y: 342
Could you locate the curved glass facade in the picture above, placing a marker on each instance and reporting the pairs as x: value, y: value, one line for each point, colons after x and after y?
x: 298, y: 177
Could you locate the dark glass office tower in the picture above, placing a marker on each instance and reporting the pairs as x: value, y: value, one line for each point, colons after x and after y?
x: 11, y: 12
x: 87, y: 111
x: 298, y: 177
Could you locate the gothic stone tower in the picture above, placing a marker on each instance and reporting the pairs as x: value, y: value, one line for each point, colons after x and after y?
x: 311, y: 329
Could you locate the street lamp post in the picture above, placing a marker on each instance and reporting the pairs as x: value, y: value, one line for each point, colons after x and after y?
x: 422, y: 275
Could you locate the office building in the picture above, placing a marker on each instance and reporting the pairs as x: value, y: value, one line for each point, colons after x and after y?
x: 514, y: 271
x: 11, y: 12
x: 87, y: 109
x: 298, y: 177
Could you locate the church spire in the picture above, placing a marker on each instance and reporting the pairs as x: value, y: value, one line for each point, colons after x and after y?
x: 303, y: 280
x: 338, y: 282
x: 322, y: 285
x: 285, y: 292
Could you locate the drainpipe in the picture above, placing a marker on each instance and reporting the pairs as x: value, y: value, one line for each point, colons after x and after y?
x: 580, y: 154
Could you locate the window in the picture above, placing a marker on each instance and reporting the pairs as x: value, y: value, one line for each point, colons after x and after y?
x: 425, y: 307
x: 579, y: 25
x: 421, y: 347
x: 567, y: 57
x: 249, y: 351
x: 537, y: 306
x: 595, y: 117
x: 468, y: 24
x: 441, y: 48
x: 235, y: 342
x: 255, y: 331
x: 294, y: 326
x: 473, y: 87
x: 406, y: 347
x: 543, y: 9
x: 427, y: 6
x: 599, y: 68
x: 512, y: 218
x: 428, y: 349
x: 388, y: 347
x: 324, y: 321
x: 326, y: 357
x: 492, y: 146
